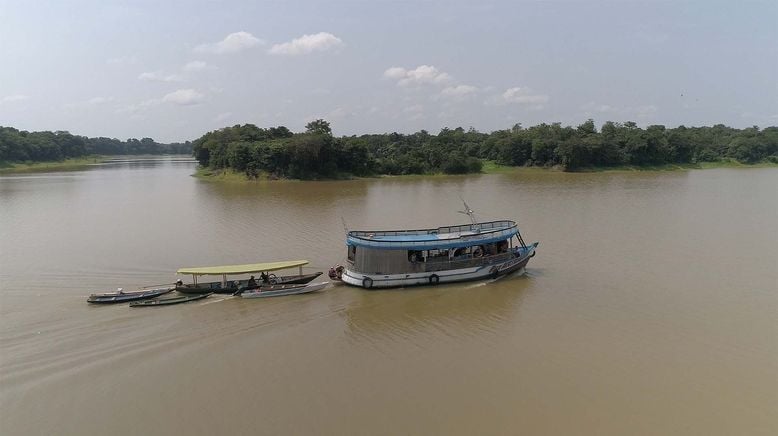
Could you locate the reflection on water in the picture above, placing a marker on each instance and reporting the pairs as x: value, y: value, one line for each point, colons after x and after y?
x: 448, y: 311
x: 650, y: 307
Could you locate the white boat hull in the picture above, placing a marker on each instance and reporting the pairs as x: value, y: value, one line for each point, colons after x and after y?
x: 480, y: 272
x: 303, y: 289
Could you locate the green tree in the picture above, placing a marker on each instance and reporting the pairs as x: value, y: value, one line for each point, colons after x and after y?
x: 318, y: 127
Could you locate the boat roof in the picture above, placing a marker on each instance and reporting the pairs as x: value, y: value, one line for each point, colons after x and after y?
x: 442, y: 237
x: 242, y: 269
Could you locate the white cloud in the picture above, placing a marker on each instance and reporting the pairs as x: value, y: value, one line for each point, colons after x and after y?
x: 395, y: 73
x: 305, y: 44
x: 195, y: 66
x: 523, y: 96
x: 156, y: 76
x: 13, y: 98
x: 421, y: 75
x: 232, y: 43
x: 458, y: 91
x: 184, y: 97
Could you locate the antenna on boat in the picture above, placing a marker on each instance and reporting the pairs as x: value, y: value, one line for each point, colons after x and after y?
x: 469, y: 212
x: 345, y: 227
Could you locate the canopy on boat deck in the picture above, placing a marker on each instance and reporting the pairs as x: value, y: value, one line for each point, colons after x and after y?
x: 242, y: 269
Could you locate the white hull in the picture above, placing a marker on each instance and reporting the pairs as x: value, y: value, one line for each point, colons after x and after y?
x: 432, y: 278
x: 302, y: 289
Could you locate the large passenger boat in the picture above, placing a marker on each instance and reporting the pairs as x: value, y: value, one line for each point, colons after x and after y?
x: 480, y: 250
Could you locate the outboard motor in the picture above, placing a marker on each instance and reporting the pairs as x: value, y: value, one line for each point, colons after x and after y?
x: 336, y: 272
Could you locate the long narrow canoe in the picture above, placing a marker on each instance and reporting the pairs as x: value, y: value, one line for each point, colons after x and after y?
x: 281, y: 290
x: 124, y: 297
x: 154, y: 302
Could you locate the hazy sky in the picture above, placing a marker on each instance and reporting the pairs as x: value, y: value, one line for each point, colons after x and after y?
x: 173, y: 70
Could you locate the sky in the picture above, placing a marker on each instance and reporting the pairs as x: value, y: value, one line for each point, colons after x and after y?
x: 174, y: 70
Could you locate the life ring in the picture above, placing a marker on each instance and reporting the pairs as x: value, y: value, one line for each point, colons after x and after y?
x: 478, y: 252
x: 367, y: 283
x: 434, y: 279
x: 273, y: 279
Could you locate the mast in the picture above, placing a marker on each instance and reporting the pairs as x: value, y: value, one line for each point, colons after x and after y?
x: 469, y: 212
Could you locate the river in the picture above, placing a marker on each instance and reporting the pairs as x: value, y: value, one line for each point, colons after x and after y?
x: 651, y: 307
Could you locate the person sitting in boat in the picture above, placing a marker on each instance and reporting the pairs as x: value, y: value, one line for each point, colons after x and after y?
x: 252, y: 283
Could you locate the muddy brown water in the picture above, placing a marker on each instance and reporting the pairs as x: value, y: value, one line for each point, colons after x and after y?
x: 651, y: 307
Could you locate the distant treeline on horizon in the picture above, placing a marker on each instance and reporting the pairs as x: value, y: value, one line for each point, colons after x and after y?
x: 277, y: 152
x: 316, y: 153
x: 22, y: 146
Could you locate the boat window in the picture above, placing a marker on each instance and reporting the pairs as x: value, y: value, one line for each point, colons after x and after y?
x: 352, y: 252
x: 437, y: 254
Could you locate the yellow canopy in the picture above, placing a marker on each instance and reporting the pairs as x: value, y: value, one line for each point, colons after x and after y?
x: 242, y: 269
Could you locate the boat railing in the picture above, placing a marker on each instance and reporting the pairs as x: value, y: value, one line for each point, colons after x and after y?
x: 478, y: 227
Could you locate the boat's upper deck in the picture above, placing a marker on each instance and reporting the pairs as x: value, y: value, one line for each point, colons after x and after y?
x: 442, y: 237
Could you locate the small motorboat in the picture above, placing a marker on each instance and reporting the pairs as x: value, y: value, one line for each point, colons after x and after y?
x: 124, y: 297
x: 229, y: 286
x: 281, y: 290
x: 168, y: 301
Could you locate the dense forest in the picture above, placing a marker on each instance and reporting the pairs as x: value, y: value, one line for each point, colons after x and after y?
x: 21, y: 146
x: 316, y: 153
x: 278, y: 152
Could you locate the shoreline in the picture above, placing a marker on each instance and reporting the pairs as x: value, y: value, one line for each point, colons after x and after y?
x: 73, y: 163
x: 489, y: 168
x: 67, y: 164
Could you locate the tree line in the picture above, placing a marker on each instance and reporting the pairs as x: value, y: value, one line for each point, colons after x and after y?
x: 315, y: 153
x: 22, y: 146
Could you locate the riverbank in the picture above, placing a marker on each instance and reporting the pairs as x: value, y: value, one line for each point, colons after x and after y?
x: 67, y: 164
x: 491, y: 167
x: 724, y: 163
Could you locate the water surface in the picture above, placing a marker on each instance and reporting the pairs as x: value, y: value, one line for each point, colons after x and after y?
x: 649, y: 309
